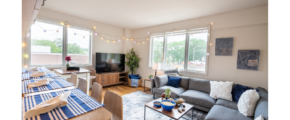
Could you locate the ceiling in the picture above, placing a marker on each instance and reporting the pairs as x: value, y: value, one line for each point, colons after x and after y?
x: 135, y: 14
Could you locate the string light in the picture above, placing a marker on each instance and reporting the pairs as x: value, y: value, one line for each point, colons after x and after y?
x: 61, y: 23
x: 26, y: 56
x: 114, y: 41
x: 119, y: 40
x: 143, y: 42
x: 147, y: 38
x: 94, y: 27
x: 148, y: 33
x: 44, y: 30
x: 123, y: 37
x: 127, y: 39
x: 25, y: 66
x: 132, y: 39
x: 96, y: 34
x: 57, y: 31
x: 27, y: 35
x: 138, y: 43
x: 75, y: 33
x: 68, y: 26
x: 102, y: 38
x: 108, y: 40
x: 212, y: 23
x: 23, y: 44
x: 210, y: 44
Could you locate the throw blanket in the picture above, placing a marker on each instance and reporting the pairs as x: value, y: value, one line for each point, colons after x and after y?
x: 55, y: 83
x: 134, y: 82
x: 46, y: 106
x: 26, y: 76
x: 78, y: 103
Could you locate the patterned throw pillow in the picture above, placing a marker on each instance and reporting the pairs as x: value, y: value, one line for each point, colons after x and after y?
x: 238, y: 90
x: 247, y: 102
x: 221, y: 90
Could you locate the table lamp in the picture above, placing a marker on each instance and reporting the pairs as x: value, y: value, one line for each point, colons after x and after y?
x: 155, y: 67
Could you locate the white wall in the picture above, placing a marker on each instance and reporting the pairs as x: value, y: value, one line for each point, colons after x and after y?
x: 248, y: 27
x: 98, y: 45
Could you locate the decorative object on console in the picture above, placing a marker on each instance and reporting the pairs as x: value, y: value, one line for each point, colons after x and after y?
x: 73, y: 68
x: 67, y: 59
x: 173, y: 81
x: 247, y: 102
x: 248, y: 59
x: 133, y: 61
x: 238, y: 90
x: 220, y: 89
x: 224, y: 46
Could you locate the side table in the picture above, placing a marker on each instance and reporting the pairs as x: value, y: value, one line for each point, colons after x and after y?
x: 145, y: 84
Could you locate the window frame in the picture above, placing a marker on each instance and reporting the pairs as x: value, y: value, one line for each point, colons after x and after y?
x: 64, y: 45
x: 187, y: 33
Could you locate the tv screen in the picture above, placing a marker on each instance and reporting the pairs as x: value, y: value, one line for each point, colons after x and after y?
x: 110, y: 62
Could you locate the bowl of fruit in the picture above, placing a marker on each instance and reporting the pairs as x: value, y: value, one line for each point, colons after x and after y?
x: 168, y: 104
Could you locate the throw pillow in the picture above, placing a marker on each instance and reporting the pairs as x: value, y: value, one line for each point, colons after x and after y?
x: 172, y: 74
x: 221, y: 90
x: 131, y: 75
x: 238, y: 91
x: 174, y: 82
x: 135, y: 78
x: 247, y: 102
x: 260, y: 118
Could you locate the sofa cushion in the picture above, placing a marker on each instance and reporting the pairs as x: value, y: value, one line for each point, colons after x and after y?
x: 262, y: 105
x: 199, y: 85
x: 175, y: 92
x: 198, y: 98
x: 183, y: 81
x: 173, y: 81
x: 228, y: 104
x: 218, y: 112
x: 161, y: 80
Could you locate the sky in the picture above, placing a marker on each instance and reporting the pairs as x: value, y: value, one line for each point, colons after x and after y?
x: 37, y: 32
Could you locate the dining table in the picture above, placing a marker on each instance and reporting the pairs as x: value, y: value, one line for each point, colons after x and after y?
x: 81, y: 72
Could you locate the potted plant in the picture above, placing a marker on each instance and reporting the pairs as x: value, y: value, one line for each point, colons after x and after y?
x: 150, y: 76
x: 133, y: 61
x: 67, y: 59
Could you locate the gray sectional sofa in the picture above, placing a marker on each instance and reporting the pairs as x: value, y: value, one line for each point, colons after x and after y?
x: 196, y: 91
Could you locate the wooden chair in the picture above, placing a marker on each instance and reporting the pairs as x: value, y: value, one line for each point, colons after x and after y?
x: 97, y: 92
x: 92, y: 76
x: 83, y: 85
x: 73, y: 79
x: 114, y: 103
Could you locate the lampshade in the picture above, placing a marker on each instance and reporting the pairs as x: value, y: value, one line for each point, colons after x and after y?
x: 155, y: 66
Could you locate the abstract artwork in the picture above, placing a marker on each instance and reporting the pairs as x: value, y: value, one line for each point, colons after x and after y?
x: 248, y: 59
x: 224, y: 46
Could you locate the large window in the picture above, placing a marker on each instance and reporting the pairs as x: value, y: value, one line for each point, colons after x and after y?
x: 52, y: 42
x: 185, y: 50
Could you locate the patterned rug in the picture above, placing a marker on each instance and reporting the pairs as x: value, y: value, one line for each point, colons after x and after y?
x: 133, y: 108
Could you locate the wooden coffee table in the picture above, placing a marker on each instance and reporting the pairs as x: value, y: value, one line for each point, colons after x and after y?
x: 174, y: 114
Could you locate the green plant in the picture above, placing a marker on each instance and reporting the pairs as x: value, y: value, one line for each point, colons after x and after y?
x: 150, y: 76
x: 133, y: 61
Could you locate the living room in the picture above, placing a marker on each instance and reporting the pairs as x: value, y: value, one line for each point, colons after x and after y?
x: 197, y: 60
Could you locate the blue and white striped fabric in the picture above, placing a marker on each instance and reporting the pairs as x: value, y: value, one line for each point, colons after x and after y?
x: 56, y: 84
x: 78, y: 103
x: 43, y: 69
x: 26, y: 76
x: 134, y: 82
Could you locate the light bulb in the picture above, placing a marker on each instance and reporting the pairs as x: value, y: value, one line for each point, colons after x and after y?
x: 147, y: 38
x: 143, y: 42
x: 138, y: 43
x: 75, y: 33
x: 127, y: 39
x: 148, y: 32
x: 119, y: 40
x: 27, y: 35
x: 25, y: 66
x: 61, y: 23
x: 67, y: 25
x: 44, y: 30
x: 132, y: 39
x: 94, y: 27
x: 57, y: 31
x: 26, y: 56
x: 212, y: 23
x: 108, y: 40
x: 96, y: 34
x: 102, y: 38
x: 207, y: 54
x: 210, y: 44
x: 23, y: 44
x: 114, y: 41
x: 84, y: 37
x: 123, y: 37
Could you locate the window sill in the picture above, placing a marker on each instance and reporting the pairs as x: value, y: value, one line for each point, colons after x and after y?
x: 192, y: 73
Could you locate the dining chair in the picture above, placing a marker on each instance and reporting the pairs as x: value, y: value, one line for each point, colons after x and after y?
x: 92, y: 76
x: 114, y: 103
x: 73, y: 79
x: 97, y: 92
x: 83, y: 85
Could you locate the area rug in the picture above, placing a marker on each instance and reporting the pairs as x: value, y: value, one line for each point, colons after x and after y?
x: 133, y: 108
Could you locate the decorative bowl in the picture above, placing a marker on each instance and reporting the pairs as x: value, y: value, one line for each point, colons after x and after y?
x: 168, y: 107
x: 157, y: 103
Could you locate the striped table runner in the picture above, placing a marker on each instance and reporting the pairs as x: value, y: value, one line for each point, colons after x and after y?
x: 43, y: 69
x: 25, y: 76
x: 78, y: 103
x: 56, y: 84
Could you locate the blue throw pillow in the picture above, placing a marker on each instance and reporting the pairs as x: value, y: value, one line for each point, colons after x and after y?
x: 131, y: 75
x: 135, y: 78
x: 173, y: 81
x: 238, y: 90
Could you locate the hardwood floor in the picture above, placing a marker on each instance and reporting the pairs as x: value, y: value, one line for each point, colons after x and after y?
x: 121, y: 90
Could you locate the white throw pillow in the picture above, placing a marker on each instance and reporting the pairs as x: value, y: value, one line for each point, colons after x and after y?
x: 247, y: 102
x: 260, y: 118
x: 221, y: 90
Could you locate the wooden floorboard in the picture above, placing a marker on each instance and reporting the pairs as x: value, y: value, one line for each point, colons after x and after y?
x: 121, y: 90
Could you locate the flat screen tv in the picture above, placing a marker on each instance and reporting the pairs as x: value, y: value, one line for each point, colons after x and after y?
x: 110, y: 62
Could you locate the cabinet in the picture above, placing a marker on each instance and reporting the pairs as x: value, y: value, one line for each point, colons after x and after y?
x: 106, y: 79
